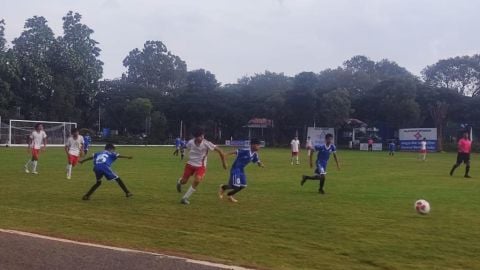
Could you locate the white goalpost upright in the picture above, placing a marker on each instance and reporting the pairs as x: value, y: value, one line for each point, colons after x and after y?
x: 57, y: 132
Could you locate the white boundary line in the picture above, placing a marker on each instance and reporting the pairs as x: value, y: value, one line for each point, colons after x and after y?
x: 204, y: 263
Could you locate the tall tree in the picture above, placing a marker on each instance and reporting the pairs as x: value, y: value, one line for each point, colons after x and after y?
x: 155, y: 67
x: 461, y: 73
x: 33, y: 49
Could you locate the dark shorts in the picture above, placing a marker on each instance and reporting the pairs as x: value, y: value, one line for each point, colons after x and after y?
x: 463, y: 158
x: 104, y: 171
x: 237, y: 179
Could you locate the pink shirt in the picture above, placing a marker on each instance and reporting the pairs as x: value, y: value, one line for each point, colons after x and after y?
x: 464, y: 146
x: 370, y: 141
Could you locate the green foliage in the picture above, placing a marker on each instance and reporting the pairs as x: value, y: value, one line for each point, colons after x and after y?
x: 365, y: 221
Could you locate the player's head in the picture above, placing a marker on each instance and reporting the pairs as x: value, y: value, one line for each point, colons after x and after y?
x: 296, y: 137
x: 465, y: 134
x: 198, y: 134
x: 110, y: 147
x: 424, y: 138
x: 328, y: 138
x: 74, y: 132
x: 38, y: 126
x: 308, y: 138
x: 255, y: 144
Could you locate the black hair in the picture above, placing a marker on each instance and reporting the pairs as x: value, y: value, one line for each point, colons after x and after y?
x: 37, y: 125
x: 255, y: 141
x: 109, y: 146
x: 328, y: 136
x: 198, y: 132
x: 74, y: 130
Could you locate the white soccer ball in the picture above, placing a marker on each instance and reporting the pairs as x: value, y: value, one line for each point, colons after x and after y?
x: 422, y: 207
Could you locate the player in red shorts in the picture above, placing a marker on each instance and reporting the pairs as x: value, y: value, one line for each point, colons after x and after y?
x: 464, y: 149
x: 37, y: 141
x: 295, y: 145
x: 73, y: 149
x: 197, y: 163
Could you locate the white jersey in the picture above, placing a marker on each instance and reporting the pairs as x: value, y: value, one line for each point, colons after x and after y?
x: 198, y: 153
x: 423, y: 145
x: 295, y: 145
x: 309, y: 144
x: 75, y: 145
x: 37, y: 139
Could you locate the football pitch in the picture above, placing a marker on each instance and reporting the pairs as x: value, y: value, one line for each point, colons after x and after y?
x: 365, y: 221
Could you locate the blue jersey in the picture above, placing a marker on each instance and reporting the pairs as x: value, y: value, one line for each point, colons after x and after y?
x: 324, y: 152
x: 86, y: 141
x: 178, y: 142
x: 391, y: 146
x: 244, y: 157
x: 104, y: 159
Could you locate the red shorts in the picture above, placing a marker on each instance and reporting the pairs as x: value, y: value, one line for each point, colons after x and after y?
x: 423, y: 151
x: 294, y: 154
x: 190, y: 170
x: 73, y: 160
x: 35, y: 153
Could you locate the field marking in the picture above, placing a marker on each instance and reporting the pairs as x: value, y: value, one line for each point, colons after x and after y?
x: 203, y: 263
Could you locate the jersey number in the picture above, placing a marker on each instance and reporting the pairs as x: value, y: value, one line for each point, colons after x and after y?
x: 101, y: 159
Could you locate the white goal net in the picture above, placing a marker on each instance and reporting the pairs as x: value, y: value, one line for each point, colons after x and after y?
x: 57, y: 132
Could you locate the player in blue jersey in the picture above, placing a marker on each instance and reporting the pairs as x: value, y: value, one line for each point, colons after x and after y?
x: 178, y: 146
x: 391, y: 148
x: 238, y: 179
x: 183, y: 145
x: 323, y: 155
x: 102, y: 162
x: 87, y: 140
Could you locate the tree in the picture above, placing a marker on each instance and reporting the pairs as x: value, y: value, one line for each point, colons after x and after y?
x: 461, y: 73
x: 78, y: 64
x: 201, y: 80
x: 155, y: 67
x: 137, y: 113
x: 33, y: 49
x: 334, y: 107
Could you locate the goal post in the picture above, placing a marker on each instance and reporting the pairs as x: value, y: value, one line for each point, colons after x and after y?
x: 57, y: 132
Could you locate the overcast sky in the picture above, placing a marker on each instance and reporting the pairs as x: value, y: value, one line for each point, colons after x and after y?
x: 233, y: 38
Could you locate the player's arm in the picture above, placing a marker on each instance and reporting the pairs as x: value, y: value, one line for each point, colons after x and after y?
x: 336, y: 160
x: 44, y: 143
x: 85, y: 160
x: 66, y: 149
x: 222, y: 157
x: 127, y: 157
x: 29, y: 143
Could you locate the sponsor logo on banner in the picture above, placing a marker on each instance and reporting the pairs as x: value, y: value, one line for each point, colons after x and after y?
x: 410, y: 138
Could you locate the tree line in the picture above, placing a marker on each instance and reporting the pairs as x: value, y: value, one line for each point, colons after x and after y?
x: 59, y: 78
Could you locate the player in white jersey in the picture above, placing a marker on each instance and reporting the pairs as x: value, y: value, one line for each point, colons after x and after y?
x: 295, y: 145
x: 197, y: 163
x: 309, y: 146
x: 73, y: 149
x: 37, y: 141
x: 423, y: 150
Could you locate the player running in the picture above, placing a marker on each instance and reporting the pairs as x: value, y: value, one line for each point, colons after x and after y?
x: 309, y: 146
x: 238, y: 179
x: 102, y: 162
x: 37, y: 141
x: 183, y: 145
x: 178, y: 146
x: 87, y: 140
x: 197, y: 163
x: 323, y: 156
x: 423, y: 150
x: 463, y: 156
x: 73, y: 149
x: 391, y: 148
x: 295, y: 145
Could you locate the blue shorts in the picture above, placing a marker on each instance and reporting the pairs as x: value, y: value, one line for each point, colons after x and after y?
x: 102, y: 171
x: 321, y: 167
x: 237, y: 179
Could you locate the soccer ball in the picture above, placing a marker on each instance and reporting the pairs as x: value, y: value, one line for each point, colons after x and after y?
x: 422, y: 207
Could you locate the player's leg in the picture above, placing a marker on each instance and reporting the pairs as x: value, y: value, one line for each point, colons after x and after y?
x: 322, y: 183
x: 225, y: 187
x: 467, y: 166
x: 457, y: 164
x: 293, y: 156
x: 296, y: 157
x: 71, y: 161
x: 98, y: 176
x: 123, y: 187
x: 199, y: 175
x: 240, y: 182
x: 182, y: 153
x: 188, y: 171
x: 35, y: 155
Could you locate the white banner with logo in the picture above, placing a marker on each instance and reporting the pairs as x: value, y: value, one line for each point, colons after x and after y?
x: 410, y: 138
x: 317, y: 134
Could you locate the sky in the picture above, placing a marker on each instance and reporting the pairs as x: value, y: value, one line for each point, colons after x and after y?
x: 236, y: 38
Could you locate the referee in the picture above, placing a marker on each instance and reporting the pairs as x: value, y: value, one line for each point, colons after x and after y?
x: 464, y: 149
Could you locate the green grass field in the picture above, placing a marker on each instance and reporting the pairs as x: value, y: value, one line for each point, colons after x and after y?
x: 365, y: 221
